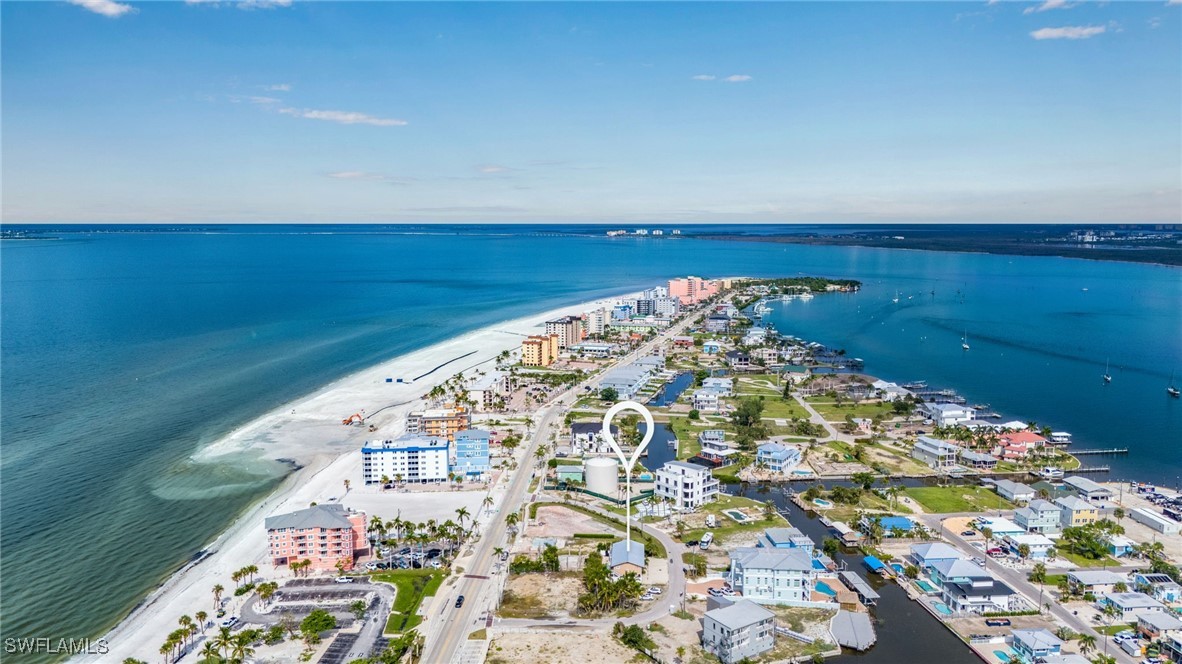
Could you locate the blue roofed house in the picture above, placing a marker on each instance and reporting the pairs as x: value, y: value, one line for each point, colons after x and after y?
x: 786, y: 538
x: 778, y: 458
x: 623, y: 559
x: 1033, y: 644
x: 772, y: 576
x: 472, y: 457
x: 936, y: 453
x: 928, y: 554
x: 1040, y: 516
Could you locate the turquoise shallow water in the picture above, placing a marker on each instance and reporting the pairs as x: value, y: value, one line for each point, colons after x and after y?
x: 122, y: 353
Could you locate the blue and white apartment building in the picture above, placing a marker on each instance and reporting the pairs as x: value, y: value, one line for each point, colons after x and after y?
x: 472, y: 459
x: 409, y: 458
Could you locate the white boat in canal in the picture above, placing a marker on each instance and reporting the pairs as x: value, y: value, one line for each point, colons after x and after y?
x: 1051, y: 473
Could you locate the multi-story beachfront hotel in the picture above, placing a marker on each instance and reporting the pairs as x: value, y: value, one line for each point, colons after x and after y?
x: 324, y: 534
x: 409, y: 458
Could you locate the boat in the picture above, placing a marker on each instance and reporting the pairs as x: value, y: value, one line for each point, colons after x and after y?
x: 964, y: 341
x: 1107, y: 376
x: 1051, y: 473
x: 1171, y: 390
x: 706, y: 540
x: 896, y: 300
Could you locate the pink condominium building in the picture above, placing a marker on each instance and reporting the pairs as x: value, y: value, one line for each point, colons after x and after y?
x: 692, y: 290
x: 324, y: 534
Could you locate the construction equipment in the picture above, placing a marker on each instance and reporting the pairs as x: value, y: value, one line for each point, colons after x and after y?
x: 354, y: 418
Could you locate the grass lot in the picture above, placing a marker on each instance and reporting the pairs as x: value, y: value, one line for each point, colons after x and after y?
x: 521, y: 606
x: 478, y: 635
x: 413, y: 585
x: 942, y: 499
x: 687, y: 437
x: 796, y: 619
x: 1115, y: 628
x: 781, y: 409
x: 1054, y: 579
x: 868, y: 502
x: 1080, y: 561
x: 834, y: 412
x: 727, y: 527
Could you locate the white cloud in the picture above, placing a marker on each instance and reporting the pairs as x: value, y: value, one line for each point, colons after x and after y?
x: 278, y: 87
x: 343, y: 117
x: 703, y: 77
x: 105, y: 7
x: 737, y: 78
x: 1048, y: 5
x: 1174, y: 2
x: 263, y: 100
x: 1069, y: 32
x: 493, y: 168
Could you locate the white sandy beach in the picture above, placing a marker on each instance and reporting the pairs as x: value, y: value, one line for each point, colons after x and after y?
x: 309, y: 432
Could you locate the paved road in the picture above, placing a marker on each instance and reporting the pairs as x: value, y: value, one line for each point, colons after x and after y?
x: 444, y: 641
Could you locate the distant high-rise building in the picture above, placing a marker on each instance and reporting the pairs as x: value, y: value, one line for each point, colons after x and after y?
x: 692, y: 290
x: 596, y: 321
x: 568, y: 328
x: 539, y: 350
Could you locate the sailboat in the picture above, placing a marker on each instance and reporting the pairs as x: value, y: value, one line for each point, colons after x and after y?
x: 1107, y: 376
x: 1171, y: 390
x: 964, y: 341
x: 896, y: 300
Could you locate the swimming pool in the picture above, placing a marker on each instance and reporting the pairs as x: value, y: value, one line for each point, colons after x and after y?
x: 897, y: 567
x: 802, y: 472
x: 817, y: 564
x: 736, y: 515
x: 942, y: 608
x: 1001, y: 656
x: 925, y: 586
x: 821, y: 502
x: 823, y: 587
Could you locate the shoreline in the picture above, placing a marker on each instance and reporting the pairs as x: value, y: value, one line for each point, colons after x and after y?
x: 313, y: 443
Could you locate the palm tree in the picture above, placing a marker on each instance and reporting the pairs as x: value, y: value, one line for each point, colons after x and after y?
x: 1087, y: 643
x: 217, y: 596
x: 498, y: 552
x: 209, y: 652
x: 488, y: 503
x: 461, y: 514
x: 202, y: 619
x: 1110, y: 612
x: 241, y: 648
x: 224, y: 640
x: 346, y: 486
x: 1039, y: 576
x: 511, y: 520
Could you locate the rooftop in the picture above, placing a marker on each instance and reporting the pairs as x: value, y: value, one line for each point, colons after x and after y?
x: 774, y: 559
x: 406, y: 442
x: 330, y: 515
x: 1038, y: 638
x: 1133, y: 600
x: 1085, y: 485
x: 742, y: 613
x: 621, y: 553
x: 934, y: 551
x: 1074, y: 503
x: 1096, y: 577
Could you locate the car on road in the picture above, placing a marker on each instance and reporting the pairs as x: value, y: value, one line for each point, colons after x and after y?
x: 968, y: 533
x: 980, y: 561
x: 344, y: 579
x: 997, y: 622
x: 229, y: 622
x: 654, y: 590
x: 459, y: 601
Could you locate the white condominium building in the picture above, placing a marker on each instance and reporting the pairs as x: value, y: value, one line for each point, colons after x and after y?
x: 408, y: 458
x: 686, y: 484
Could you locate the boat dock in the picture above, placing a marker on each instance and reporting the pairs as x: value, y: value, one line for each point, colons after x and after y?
x: 1114, y: 450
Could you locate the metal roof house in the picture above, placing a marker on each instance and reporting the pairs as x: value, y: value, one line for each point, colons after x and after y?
x: 740, y: 631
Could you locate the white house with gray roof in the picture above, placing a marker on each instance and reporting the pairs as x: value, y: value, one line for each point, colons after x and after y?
x: 772, y: 576
x: 1015, y: 492
x: 740, y: 631
x: 688, y: 485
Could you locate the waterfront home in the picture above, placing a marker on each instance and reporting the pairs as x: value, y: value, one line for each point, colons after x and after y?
x: 711, y: 347
x: 1171, y: 647
x: 928, y: 554
x: 587, y: 438
x: 1018, y: 444
x: 1130, y: 604
x: 1155, y: 520
x: 627, y: 380
x: 689, y: 486
x: 715, y: 447
x: 755, y: 336
x: 472, y: 457
x: 778, y: 458
x: 1158, y: 586
x: 326, y: 535
x: 539, y: 350
x: 443, y: 422
x: 738, y: 360
x: 1015, y: 492
x: 766, y: 356
x: 1158, y: 625
x: 706, y: 401
x: 938, y: 454
x: 1040, y: 516
x: 1087, y: 489
x: 1095, y: 581
x: 977, y: 460
x: 1075, y: 511
x: 724, y: 387
x: 772, y: 576
x: 1035, y: 644
x: 966, y: 588
x: 1119, y: 545
x: 1000, y: 526
x: 786, y: 538
x: 623, y: 559
x: 948, y: 414
x: 1066, y: 658
x: 891, y: 525
x: 738, y: 632
x: 488, y: 390
x: 410, y: 458
x: 1037, y: 544
x: 655, y: 363
x: 889, y: 391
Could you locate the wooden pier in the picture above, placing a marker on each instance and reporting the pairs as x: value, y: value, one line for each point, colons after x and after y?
x: 1113, y: 450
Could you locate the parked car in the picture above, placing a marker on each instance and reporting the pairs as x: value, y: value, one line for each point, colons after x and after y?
x: 995, y: 551
x: 459, y: 601
x: 344, y: 579
x: 654, y: 590
x: 229, y: 622
x: 997, y: 622
x: 714, y: 592
x: 968, y: 533
x: 435, y: 564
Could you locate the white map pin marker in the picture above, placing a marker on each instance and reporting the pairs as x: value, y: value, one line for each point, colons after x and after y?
x: 625, y: 461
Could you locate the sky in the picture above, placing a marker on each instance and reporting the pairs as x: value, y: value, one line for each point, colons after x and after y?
x: 292, y: 111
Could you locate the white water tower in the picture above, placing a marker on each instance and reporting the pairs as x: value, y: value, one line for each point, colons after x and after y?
x: 603, y: 476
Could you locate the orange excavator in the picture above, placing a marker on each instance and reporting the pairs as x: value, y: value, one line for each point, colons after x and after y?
x: 355, y: 417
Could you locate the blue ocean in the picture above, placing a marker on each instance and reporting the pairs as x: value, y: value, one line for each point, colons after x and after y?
x: 124, y: 351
